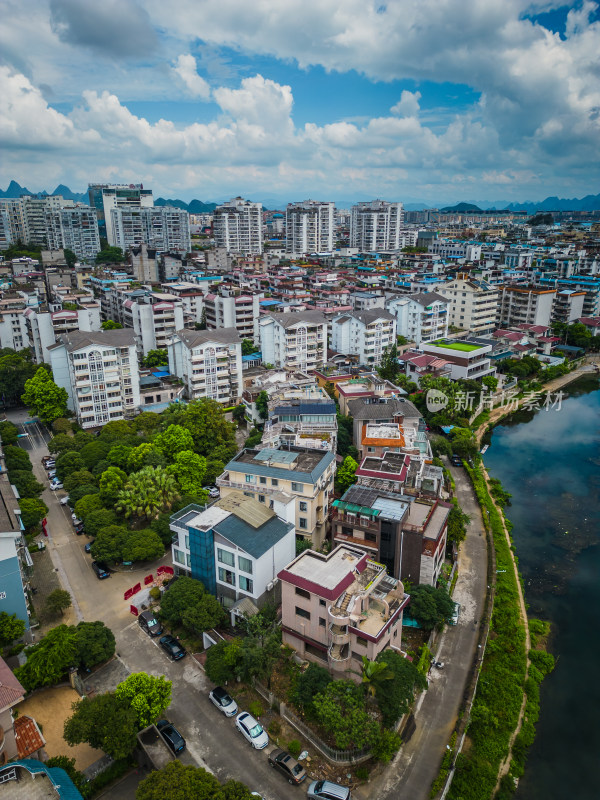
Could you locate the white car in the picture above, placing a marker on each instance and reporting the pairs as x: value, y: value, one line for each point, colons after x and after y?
x: 252, y: 730
x: 55, y: 484
x: 64, y: 500
x: 223, y: 701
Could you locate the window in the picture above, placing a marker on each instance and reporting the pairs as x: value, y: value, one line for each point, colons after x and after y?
x: 303, y: 593
x: 250, y: 478
x: 322, y: 602
x: 302, y: 522
x: 245, y: 584
x: 297, y: 487
x: 302, y: 612
x: 360, y: 642
x: 321, y: 622
x: 261, y: 498
x: 303, y: 506
x: 262, y: 480
x: 370, y: 537
x: 274, y: 482
x: 245, y: 564
x: 178, y: 556
x: 226, y: 558
x: 225, y: 576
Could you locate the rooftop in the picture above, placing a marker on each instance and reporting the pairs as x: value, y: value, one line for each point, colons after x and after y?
x: 306, y: 465
x: 462, y: 346
x: 76, y: 340
x: 327, y: 571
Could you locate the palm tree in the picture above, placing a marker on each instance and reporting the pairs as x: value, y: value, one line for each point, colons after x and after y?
x: 147, y: 493
x: 374, y: 675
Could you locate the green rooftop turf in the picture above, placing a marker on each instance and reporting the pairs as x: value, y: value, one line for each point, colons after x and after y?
x: 467, y: 348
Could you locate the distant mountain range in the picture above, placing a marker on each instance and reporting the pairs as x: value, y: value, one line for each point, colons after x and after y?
x: 590, y: 202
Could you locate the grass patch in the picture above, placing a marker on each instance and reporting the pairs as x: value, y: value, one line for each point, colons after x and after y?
x: 463, y: 346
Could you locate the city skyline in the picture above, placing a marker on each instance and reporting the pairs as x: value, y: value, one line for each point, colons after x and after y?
x: 429, y: 102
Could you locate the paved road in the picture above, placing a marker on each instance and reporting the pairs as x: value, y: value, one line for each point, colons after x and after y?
x: 417, y: 763
x: 213, y: 741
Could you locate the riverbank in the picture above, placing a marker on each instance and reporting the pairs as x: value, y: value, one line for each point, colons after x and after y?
x: 498, y: 413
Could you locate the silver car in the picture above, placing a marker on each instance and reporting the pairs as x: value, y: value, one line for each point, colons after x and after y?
x: 252, y: 730
x: 223, y: 701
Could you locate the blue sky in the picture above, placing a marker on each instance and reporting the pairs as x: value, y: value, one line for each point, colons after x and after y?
x: 415, y: 100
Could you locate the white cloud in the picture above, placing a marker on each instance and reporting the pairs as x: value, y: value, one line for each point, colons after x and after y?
x: 185, y: 67
x: 408, y: 105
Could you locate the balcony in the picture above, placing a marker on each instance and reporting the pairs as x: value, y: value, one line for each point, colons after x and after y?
x: 338, y: 634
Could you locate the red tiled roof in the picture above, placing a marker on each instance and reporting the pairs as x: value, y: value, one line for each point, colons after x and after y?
x: 28, y: 737
x: 521, y: 348
x: 513, y: 337
x: 591, y: 322
x: 11, y: 690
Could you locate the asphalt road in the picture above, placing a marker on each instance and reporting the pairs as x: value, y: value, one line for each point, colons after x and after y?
x: 213, y: 742
x: 417, y: 763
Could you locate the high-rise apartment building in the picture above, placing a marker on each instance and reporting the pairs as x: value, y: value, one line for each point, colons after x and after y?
x: 73, y: 228
x: 376, y: 226
x: 107, y: 196
x: 309, y: 227
x: 238, y: 226
x: 164, y: 229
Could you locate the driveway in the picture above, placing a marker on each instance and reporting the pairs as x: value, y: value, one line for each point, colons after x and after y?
x: 417, y: 763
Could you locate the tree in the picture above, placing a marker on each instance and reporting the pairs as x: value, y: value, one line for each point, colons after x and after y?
x: 87, y: 504
x: 138, y: 456
x: 17, y: 459
x: 11, y: 628
x: 239, y: 413
x: 61, y: 443
x: 174, y: 440
x: 185, y: 593
x: 45, y: 399
x: 464, y: 443
x: 248, y: 347
x: 105, y: 722
x: 384, y: 744
x: 490, y: 382
x: 33, y: 512
x: 189, y: 470
x: 15, y: 370
x: 261, y: 646
x: 430, y: 606
x: 9, y: 433
x: 147, y: 422
x: 457, y: 525
x: 214, y: 468
x: 310, y: 683
x: 118, y: 431
x: 340, y: 709
x: 110, y: 255
x: 26, y: 484
x: 144, y: 545
x: 111, y: 483
x: 147, y: 493
x: 98, y: 519
x: 223, y: 660
x: 262, y: 405
x: 110, y: 543
x: 118, y: 455
x: 205, y: 614
x: 395, y: 696
x: 344, y: 435
x: 58, y: 601
x: 148, y: 696
x: 79, y: 492
x: 95, y: 643
x: 389, y: 369
x: 156, y: 358
x: 81, y: 477
x: 375, y: 676
x: 177, y: 782
x: 61, y: 425
x: 49, y: 660
x: 67, y: 463
x: 213, y: 435
x: 70, y: 257
x: 346, y: 474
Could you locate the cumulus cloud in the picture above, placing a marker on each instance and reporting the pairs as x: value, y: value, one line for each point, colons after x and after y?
x: 408, y: 105
x: 185, y: 67
x: 113, y: 27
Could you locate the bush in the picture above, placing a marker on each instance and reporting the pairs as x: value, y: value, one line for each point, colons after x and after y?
x: 275, y: 728
x: 362, y: 773
x: 255, y: 708
x: 294, y: 748
x: 155, y: 593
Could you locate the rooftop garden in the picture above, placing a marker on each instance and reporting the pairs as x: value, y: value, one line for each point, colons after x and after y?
x: 464, y: 346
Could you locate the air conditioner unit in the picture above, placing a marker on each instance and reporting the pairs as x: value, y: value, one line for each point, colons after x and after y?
x: 269, y: 586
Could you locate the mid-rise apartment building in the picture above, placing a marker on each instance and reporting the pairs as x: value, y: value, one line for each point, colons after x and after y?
x: 307, y: 475
x: 238, y: 226
x: 294, y: 341
x: 467, y: 360
x: 239, y: 311
x: 309, y: 227
x: 339, y: 607
x: 473, y: 304
x: 12, y: 220
x: 44, y: 327
x: 526, y: 305
x: 155, y: 317
x: 376, y: 226
x: 236, y: 547
x: 73, y: 228
x: 99, y: 371
x: 208, y: 362
x: 420, y: 317
x: 162, y: 228
x: 364, y: 334
x: 13, y: 324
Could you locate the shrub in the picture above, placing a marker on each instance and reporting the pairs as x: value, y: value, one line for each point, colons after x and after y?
x: 294, y: 748
x: 255, y: 708
x: 155, y: 593
x: 362, y: 773
x: 275, y: 728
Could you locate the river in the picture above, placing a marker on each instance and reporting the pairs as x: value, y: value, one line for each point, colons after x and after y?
x: 550, y: 462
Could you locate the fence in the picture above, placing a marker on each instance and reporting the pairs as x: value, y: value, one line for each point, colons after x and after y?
x: 343, y: 757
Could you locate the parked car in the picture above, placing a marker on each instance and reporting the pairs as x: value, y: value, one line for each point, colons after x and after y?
x: 213, y: 491
x: 326, y: 790
x: 48, y: 461
x: 79, y: 529
x: 252, y: 730
x: 455, y: 614
x: 64, y: 500
x: 288, y: 766
x: 223, y: 701
x: 100, y: 569
x: 456, y: 461
x: 171, y: 736
x: 75, y: 520
x: 148, y: 622
x: 55, y: 484
x: 171, y: 647
x: 88, y: 546
x: 51, y: 474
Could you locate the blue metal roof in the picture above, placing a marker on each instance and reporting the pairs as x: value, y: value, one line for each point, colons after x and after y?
x: 305, y: 408
x: 254, y: 541
x: 61, y: 783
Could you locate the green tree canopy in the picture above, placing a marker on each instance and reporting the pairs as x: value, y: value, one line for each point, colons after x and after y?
x: 110, y: 543
x: 138, y: 455
x: 375, y: 676
x: 98, y: 519
x: 189, y: 470
x: 44, y: 398
x: 15, y: 370
x: 148, y: 696
x: 58, y: 601
x: 87, y: 504
x: 248, y: 347
x: 106, y: 722
x: 16, y: 459
x: 174, y: 440
x: 95, y: 643
x: 147, y: 422
x: 110, y: 255
x: 26, y: 484
x: 262, y: 405
x: 49, y: 660
x: 11, y: 628
x: 118, y: 455
x: 310, y: 683
x: 205, y: 614
x: 67, y: 463
x: 156, y: 358
x: 395, y: 696
x: 144, y: 545
x: 9, y: 433
x: 346, y: 474
x: 147, y: 493
x: 81, y: 477
x: 223, y: 661
x: 179, y: 782
x: 430, y: 606
x: 111, y: 483
x: 389, y: 369
x: 62, y: 443
x: 340, y: 709
x: 457, y: 525
x: 213, y: 435
x: 33, y: 512
x: 185, y: 593
x: 118, y: 431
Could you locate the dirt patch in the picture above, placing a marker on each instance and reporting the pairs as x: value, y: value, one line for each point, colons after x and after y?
x: 50, y: 708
